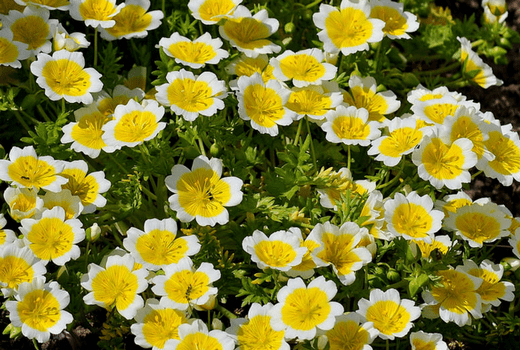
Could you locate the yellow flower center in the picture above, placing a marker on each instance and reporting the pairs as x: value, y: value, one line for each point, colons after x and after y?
x: 257, y: 334
x: 30, y: 171
x: 212, y: 10
x: 374, y: 103
x: 430, y: 96
x: 400, y: 141
x: 263, y: 105
x: 412, y: 220
x: 465, y: 127
x: 338, y: 251
x: 39, y: 310
x: 308, y: 102
x: 88, y: 131
x: 302, y: 67
x: 101, y: 10
x: 135, y: 126
x: 14, y: 270
x: 107, y: 105
x: 66, y: 77
x: 247, y: 32
x: 159, y: 247
x: 186, y: 285
x: 456, y: 293
x: 24, y: 202
x: 131, y: 19
x: 395, y: 23
x: 275, y: 253
x: 388, y: 316
x: 438, y: 111
x: 307, y: 262
x: 348, y: 27
x: 31, y: 30
x: 192, y: 52
x: 491, y: 288
x: 199, y: 341
x: 8, y: 51
x: 190, y: 95
x: 81, y: 185
x: 427, y: 248
x: 50, y: 238
x: 507, y: 154
x: 347, y: 335
x: 422, y: 345
x: 442, y: 161
x: 478, y: 227
x: 350, y: 128
x: 115, y: 285
x: 305, y: 308
x: 471, y: 65
x: 162, y: 325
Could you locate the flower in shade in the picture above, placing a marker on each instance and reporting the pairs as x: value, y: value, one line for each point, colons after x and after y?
x: 86, y: 133
x: 514, y: 241
x: 63, y: 75
x: 301, y: 309
x: 352, y: 331
x: 390, y: 315
x: 441, y: 243
x: 212, y: 11
x: 156, y: 324
x: 88, y: 187
x: 479, y: 223
x: 106, y: 103
x: 194, y: 54
x: 313, y: 101
x: 189, y: 95
x: 472, y: 63
x: 52, y: 237
x: 182, y: 285
x: 243, y: 65
x: 338, y: 246
x: 201, y: 193
x: 38, y: 309
x: 248, y: 33
x: 305, y: 67
x: 427, y: 341
x: 255, y: 331
x: 350, y: 125
x: 455, y: 295
x: 61, y: 39
x: 11, y: 52
x: 494, y: 11
x: 95, y: 12
x: 23, y: 202
x: 133, y: 124
x: 348, y: 29
x: 435, y: 110
x: 136, y: 78
x: 305, y: 268
x: 64, y: 199
x: 132, y: 21
x: 158, y: 246
x: 363, y: 94
x: 18, y: 265
x: 26, y: 169
x: 6, y: 236
x: 280, y: 251
x: 398, y: 23
x: 196, y: 336
x: 116, y: 284
x: 450, y: 203
x: 412, y: 217
x: 263, y: 104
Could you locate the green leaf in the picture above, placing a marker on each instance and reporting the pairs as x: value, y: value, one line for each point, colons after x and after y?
x: 417, y: 283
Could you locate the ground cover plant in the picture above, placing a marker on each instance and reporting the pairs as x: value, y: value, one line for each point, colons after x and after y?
x: 218, y: 174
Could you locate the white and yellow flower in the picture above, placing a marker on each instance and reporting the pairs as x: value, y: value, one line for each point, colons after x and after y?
x: 117, y: 284
x: 442, y: 243
x: 212, y: 11
x: 106, y: 102
x: 11, y: 52
x: 348, y: 29
x: 450, y: 203
x: 23, y: 202
x: 390, y: 315
x: 494, y: 11
x: 196, y: 336
x: 194, y: 53
x: 18, y: 265
x: 302, y: 310
x: 351, y: 330
x: 189, y: 95
x: 62, y: 40
x: 158, y: 245
x: 26, y: 169
x: 472, y: 62
x: 248, y: 33
x: 350, y: 125
x: 6, y: 236
x: 280, y: 251
x: 62, y: 5
x: 427, y: 341
x: 64, y: 199
x: 243, y: 65
x: 63, y: 75
x: 305, y: 67
x: 313, y: 101
x: 398, y: 23
x: 514, y: 241
x: 95, y: 13
x: 38, y: 309
x: 201, y: 193
x: 435, y: 110
x: 182, y: 285
x: 133, y: 124
x: 305, y: 269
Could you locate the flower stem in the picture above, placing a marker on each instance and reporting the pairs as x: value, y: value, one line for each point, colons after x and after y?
x: 42, y: 112
x: 440, y: 70
x: 95, y: 47
x: 348, y: 157
x: 225, y: 312
x: 20, y: 119
x: 313, y: 153
x: 298, y: 131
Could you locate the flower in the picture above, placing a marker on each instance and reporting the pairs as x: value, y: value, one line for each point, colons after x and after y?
x: 195, y: 54
x: 350, y: 126
x: 189, y: 95
x: 32, y: 27
x: 6, y: 236
x: 156, y: 324
x: 64, y: 199
x: 351, y: 330
x: 305, y: 67
x: 18, y: 265
x: 452, y: 202
x: 26, y: 169
x: 474, y: 64
x: 348, y: 29
x: 212, y: 11
x: 201, y: 194
x: 132, y: 21
x: 341, y: 183
x: 255, y: 332
x: 23, y: 202
x: 412, y: 217
x: 444, y: 163
x: 38, y: 309
x: 106, y: 103
x: 133, y: 124
x: 494, y: 11
x: 196, y: 336
x: 86, y: 134
x: 302, y: 309
x: 479, y: 223
x: 182, y: 285
x: 514, y: 241
x: 404, y: 135
x: 248, y: 34
x: 390, y: 315
x: 88, y: 187
x: 243, y: 65
x: 456, y: 296
x: 136, y: 78
x: 280, y: 251
x: 441, y: 243
x: 63, y: 75
x: 11, y: 52
x: 313, y: 101
x: 398, y: 23
x: 435, y: 110
x: 95, y: 13
x: 427, y: 341
x: 116, y: 285
x: 52, y: 237
x: 338, y: 246
x: 305, y: 268
x: 71, y: 42
x: 363, y: 95
x: 158, y: 247
x: 263, y: 104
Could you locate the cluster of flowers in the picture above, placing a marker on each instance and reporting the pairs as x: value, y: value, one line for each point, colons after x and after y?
x: 446, y: 135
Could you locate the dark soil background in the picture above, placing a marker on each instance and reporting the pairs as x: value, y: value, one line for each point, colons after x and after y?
x: 503, y: 101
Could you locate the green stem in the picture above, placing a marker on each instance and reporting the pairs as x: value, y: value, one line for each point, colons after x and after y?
x: 42, y: 112
x: 348, y: 157
x: 298, y: 131
x: 95, y: 46
x: 20, y: 119
x: 148, y: 193
x: 476, y: 174
x: 62, y: 106
x: 313, y: 153
x: 387, y: 344
x: 225, y: 312
x: 112, y: 158
x: 396, y: 178
x: 378, y: 53
x: 440, y: 70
